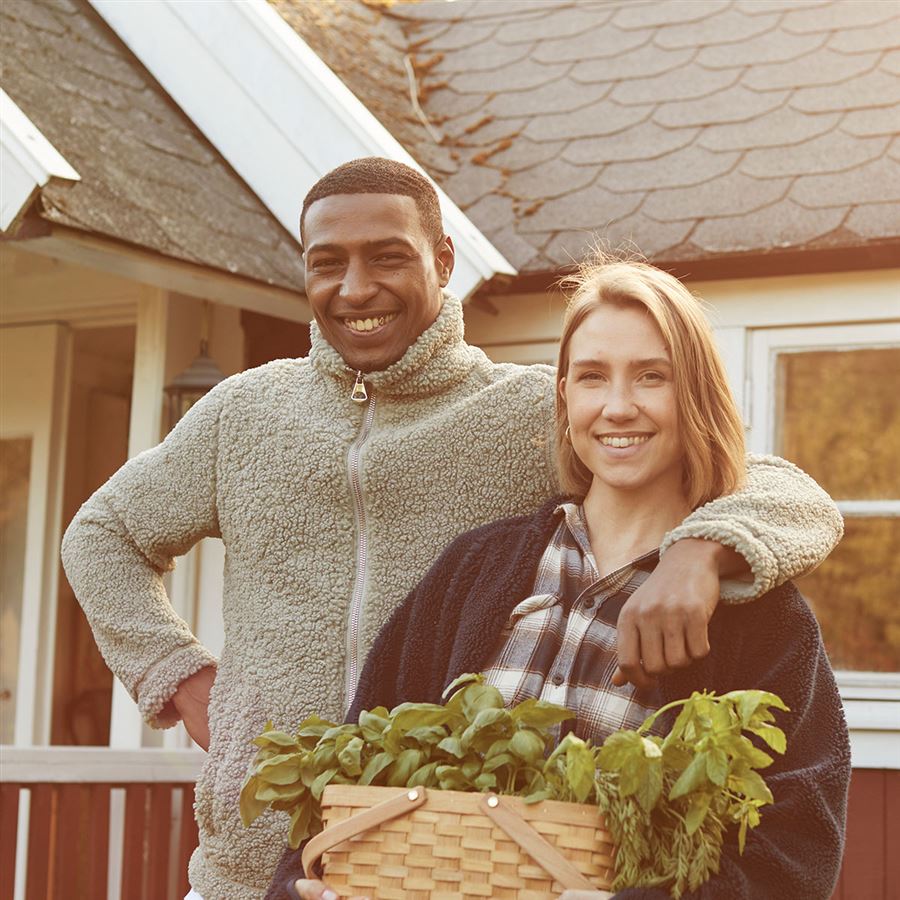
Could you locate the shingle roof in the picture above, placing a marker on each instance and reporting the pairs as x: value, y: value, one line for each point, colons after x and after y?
x: 694, y: 128
x: 148, y: 176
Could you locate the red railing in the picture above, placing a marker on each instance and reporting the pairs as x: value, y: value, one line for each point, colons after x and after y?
x: 70, y: 833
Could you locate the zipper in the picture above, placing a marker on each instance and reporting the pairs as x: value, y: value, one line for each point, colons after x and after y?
x: 362, y: 541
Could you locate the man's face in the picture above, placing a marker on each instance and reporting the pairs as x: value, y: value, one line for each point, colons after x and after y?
x: 373, y: 278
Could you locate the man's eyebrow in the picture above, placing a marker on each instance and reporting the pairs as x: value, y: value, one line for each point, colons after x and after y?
x: 367, y: 245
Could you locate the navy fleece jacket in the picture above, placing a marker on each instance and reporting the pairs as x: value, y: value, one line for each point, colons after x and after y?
x: 450, y: 625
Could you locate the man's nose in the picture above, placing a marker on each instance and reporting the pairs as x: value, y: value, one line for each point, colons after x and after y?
x: 357, y: 287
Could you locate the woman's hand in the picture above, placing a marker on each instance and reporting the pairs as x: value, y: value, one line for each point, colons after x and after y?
x: 308, y: 889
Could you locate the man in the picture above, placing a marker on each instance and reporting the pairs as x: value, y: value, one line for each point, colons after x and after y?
x: 335, y: 480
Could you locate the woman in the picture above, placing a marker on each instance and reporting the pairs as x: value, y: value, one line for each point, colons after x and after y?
x: 646, y: 432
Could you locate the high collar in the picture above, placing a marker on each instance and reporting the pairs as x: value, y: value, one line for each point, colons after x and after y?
x: 438, y: 359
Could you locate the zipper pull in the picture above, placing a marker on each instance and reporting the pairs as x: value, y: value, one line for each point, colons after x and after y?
x: 359, y: 394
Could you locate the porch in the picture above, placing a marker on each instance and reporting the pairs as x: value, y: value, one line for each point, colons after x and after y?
x: 106, y: 824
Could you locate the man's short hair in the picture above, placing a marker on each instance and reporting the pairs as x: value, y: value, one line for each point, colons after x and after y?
x: 377, y: 175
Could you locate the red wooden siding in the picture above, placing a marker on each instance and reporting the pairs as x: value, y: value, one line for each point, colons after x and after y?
x: 68, y: 839
x: 871, y: 869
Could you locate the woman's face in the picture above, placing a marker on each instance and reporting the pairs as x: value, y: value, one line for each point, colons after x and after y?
x: 619, y: 394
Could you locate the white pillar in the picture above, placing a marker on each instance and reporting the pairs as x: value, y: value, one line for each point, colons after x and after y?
x: 145, y: 429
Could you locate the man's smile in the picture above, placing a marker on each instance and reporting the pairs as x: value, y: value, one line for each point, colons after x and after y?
x: 360, y: 325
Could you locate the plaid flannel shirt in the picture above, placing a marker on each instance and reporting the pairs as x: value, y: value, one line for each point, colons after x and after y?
x: 559, y: 644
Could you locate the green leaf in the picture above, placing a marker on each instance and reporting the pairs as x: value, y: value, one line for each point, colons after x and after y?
x: 650, y: 788
x: 321, y: 783
x: 580, y: 769
x: 314, y: 726
x: 540, y: 713
x: 618, y: 748
x: 691, y: 779
x: 404, y: 766
x: 773, y: 736
x: 300, y: 822
x: 424, y: 776
x: 527, y: 745
x: 281, y: 769
x: 427, y: 734
x: 479, y: 697
x: 375, y: 766
x: 717, y: 766
x: 350, y: 756
x: 461, y: 681
x: 451, y: 778
x: 486, y: 781
x: 699, y: 807
x: 251, y: 807
x: 275, y: 739
x: 751, y: 785
x: 272, y: 793
x: 452, y: 746
x: 373, y: 723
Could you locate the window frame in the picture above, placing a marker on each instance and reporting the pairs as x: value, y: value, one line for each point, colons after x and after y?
x: 871, y: 699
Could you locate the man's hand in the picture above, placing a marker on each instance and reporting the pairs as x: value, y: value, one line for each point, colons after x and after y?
x: 192, y: 702
x: 663, y: 625
x: 317, y: 890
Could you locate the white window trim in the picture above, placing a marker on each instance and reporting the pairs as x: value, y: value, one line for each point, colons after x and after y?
x: 871, y: 699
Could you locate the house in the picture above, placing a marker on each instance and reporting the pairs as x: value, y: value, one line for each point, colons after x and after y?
x: 154, y: 157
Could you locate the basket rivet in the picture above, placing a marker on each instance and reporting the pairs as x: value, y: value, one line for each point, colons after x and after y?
x: 412, y: 795
x: 493, y: 802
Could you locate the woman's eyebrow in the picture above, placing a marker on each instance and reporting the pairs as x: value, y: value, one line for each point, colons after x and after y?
x: 635, y: 363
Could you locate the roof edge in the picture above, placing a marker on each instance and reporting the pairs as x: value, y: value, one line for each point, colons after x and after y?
x: 219, y: 63
x: 28, y: 161
x: 772, y: 264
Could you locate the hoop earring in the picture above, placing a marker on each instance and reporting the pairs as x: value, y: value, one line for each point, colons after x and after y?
x: 568, y: 435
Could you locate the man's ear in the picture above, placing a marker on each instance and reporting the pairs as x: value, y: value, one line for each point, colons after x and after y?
x: 445, y: 257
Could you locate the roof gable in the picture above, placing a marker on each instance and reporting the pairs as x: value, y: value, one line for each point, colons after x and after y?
x: 273, y: 109
x: 148, y: 177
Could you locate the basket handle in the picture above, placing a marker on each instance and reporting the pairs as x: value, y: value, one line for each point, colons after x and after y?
x: 537, y: 847
x: 363, y: 821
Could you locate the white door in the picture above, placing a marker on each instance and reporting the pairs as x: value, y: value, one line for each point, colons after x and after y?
x: 33, y: 400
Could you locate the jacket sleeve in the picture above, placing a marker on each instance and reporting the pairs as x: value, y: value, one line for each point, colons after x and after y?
x: 123, y: 540
x: 781, y: 522
x: 795, y: 853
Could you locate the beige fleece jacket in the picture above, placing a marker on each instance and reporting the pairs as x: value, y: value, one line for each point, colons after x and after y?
x: 330, y: 512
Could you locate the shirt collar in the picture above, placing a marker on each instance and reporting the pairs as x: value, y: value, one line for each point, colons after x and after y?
x: 576, y: 523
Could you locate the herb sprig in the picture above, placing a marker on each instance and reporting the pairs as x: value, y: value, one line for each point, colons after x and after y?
x: 667, y: 800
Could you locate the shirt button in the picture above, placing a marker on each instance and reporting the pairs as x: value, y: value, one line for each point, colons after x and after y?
x: 557, y: 680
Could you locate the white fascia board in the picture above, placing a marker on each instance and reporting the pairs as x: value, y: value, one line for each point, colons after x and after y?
x: 272, y: 108
x: 27, y: 161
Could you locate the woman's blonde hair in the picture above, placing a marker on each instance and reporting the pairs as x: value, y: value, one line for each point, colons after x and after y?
x: 711, y: 430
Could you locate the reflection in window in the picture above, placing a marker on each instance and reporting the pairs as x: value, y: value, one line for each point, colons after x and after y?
x: 839, y: 420
x: 15, y: 466
x: 854, y: 594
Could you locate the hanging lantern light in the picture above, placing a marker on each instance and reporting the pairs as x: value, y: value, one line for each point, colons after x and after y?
x: 201, y: 376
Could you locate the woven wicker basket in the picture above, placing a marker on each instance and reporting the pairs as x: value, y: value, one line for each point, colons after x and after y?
x: 402, y: 844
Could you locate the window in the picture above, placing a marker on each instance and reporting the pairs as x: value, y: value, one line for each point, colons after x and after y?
x: 828, y: 399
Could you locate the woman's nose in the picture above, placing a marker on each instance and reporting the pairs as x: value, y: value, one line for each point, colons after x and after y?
x: 619, y: 405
